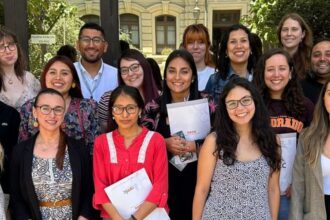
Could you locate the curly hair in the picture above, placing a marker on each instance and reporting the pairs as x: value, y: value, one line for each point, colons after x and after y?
x: 263, y: 136
x: 301, y: 57
x: 292, y: 96
x: 223, y: 61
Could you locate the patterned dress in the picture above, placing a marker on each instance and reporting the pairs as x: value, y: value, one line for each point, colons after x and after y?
x: 239, y: 191
x: 80, y: 121
x: 53, y: 184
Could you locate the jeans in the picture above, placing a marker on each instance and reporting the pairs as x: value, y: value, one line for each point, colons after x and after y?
x: 283, y: 213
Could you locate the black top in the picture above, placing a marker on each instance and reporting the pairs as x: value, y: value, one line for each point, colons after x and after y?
x: 23, y: 198
x: 311, y: 87
x: 9, y: 126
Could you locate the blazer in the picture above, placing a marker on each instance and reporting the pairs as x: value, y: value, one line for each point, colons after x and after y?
x: 23, y: 199
x: 307, y: 202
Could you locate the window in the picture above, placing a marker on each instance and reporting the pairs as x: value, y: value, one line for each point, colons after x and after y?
x: 129, y: 24
x: 165, y: 33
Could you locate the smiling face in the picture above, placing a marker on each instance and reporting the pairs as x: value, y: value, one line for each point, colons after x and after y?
x: 134, y: 76
x: 291, y: 34
x: 8, y: 57
x: 242, y: 114
x: 320, y: 60
x: 90, y: 51
x: 59, y: 77
x: 49, y: 122
x: 126, y: 120
x: 179, y: 77
x: 277, y: 75
x: 238, y: 47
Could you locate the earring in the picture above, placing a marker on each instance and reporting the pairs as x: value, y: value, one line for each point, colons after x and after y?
x: 35, y: 123
x: 113, y: 118
x: 139, y: 115
x: 73, y: 85
x: 192, y: 81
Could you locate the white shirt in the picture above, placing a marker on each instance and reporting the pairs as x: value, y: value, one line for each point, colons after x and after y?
x: 93, y: 88
x: 203, y: 77
x: 325, y: 164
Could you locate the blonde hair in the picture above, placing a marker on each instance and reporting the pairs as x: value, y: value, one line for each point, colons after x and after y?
x: 314, y: 137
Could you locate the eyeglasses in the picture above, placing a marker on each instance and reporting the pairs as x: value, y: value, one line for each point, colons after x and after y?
x: 130, y: 109
x: 134, y: 68
x: 245, y: 101
x: 96, y: 40
x: 11, y: 46
x: 46, y: 109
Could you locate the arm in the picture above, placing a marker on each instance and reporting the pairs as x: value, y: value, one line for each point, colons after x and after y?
x: 91, y: 122
x: 26, y: 121
x: 159, y: 193
x: 298, y: 184
x: 206, y: 164
x: 103, y: 111
x: 274, y: 194
x: 112, y: 211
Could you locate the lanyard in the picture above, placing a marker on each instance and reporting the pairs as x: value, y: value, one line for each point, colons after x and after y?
x: 91, y: 91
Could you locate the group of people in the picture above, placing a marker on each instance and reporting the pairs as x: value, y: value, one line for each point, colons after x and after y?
x: 87, y: 125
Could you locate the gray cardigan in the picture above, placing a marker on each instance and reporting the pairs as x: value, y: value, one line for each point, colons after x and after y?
x: 307, y: 202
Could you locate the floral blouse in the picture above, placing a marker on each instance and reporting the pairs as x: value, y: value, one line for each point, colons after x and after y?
x: 31, y: 89
x: 80, y: 121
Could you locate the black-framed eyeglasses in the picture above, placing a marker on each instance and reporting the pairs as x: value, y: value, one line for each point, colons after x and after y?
x: 11, y: 46
x: 133, y: 68
x: 130, y: 109
x: 245, y: 101
x: 46, y: 109
x: 96, y: 40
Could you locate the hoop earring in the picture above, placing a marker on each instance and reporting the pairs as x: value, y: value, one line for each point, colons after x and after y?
x: 73, y: 85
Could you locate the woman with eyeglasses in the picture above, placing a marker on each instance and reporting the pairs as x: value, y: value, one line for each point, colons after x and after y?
x: 133, y: 70
x: 80, y: 119
x: 239, y: 162
x: 51, y: 176
x: 289, y: 110
x: 127, y: 148
x: 16, y: 84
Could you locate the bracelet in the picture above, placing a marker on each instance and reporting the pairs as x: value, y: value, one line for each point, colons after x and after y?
x: 133, y: 217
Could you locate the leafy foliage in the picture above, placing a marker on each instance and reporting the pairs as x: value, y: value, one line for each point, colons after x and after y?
x: 264, y: 16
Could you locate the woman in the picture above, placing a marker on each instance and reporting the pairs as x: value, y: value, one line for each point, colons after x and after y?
x: 236, y: 56
x: 81, y: 119
x: 16, y: 85
x: 51, y: 174
x: 290, y: 111
x: 130, y: 142
x: 181, y: 85
x: 311, y: 171
x: 196, y: 40
x: 134, y: 70
x: 239, y: 163
x: 296, y: 37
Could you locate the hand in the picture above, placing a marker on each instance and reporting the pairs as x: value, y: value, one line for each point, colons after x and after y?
x: 82, y: 218
x: 176, y: 145
x: 288, y: 192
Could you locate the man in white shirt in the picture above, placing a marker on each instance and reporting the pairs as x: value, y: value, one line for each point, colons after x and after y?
x: 96, y: 77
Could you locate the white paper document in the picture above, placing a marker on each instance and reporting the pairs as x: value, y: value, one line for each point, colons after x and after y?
x: 130, y: 192
x: 288, y: 149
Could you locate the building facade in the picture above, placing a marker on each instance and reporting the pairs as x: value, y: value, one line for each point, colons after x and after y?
x: 156, y: 26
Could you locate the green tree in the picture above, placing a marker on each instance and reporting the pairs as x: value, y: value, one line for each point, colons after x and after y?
x: 56, y: 17
x: 264, y: 16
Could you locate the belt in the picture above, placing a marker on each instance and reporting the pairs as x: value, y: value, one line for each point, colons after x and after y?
x: 58, y: 203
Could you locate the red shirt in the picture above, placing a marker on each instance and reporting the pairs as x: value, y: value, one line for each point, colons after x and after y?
x: 106, y: 173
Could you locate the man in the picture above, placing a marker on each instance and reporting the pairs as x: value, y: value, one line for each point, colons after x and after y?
x: 320, y: 62
x: 95, y: 76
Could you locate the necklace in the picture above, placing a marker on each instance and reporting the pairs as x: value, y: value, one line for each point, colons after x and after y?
x: 10, y: 79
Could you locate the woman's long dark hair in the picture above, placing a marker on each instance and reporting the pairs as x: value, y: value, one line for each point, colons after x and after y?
x: 123, y: 90
x: 292, y: 97
x: 59, y: 159
x: 262, y: 133
x: 20, y: 64
x: 223, y: 61
x: 150, y: 91
x: 166, y: 97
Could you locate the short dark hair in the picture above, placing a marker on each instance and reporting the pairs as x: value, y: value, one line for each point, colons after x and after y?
x: 73, y: 92
x: 68, y: 51
x: 91, y: 25
x: 123, y: 90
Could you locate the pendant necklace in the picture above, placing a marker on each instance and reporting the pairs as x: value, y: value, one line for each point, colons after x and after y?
x: 10, y: 79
